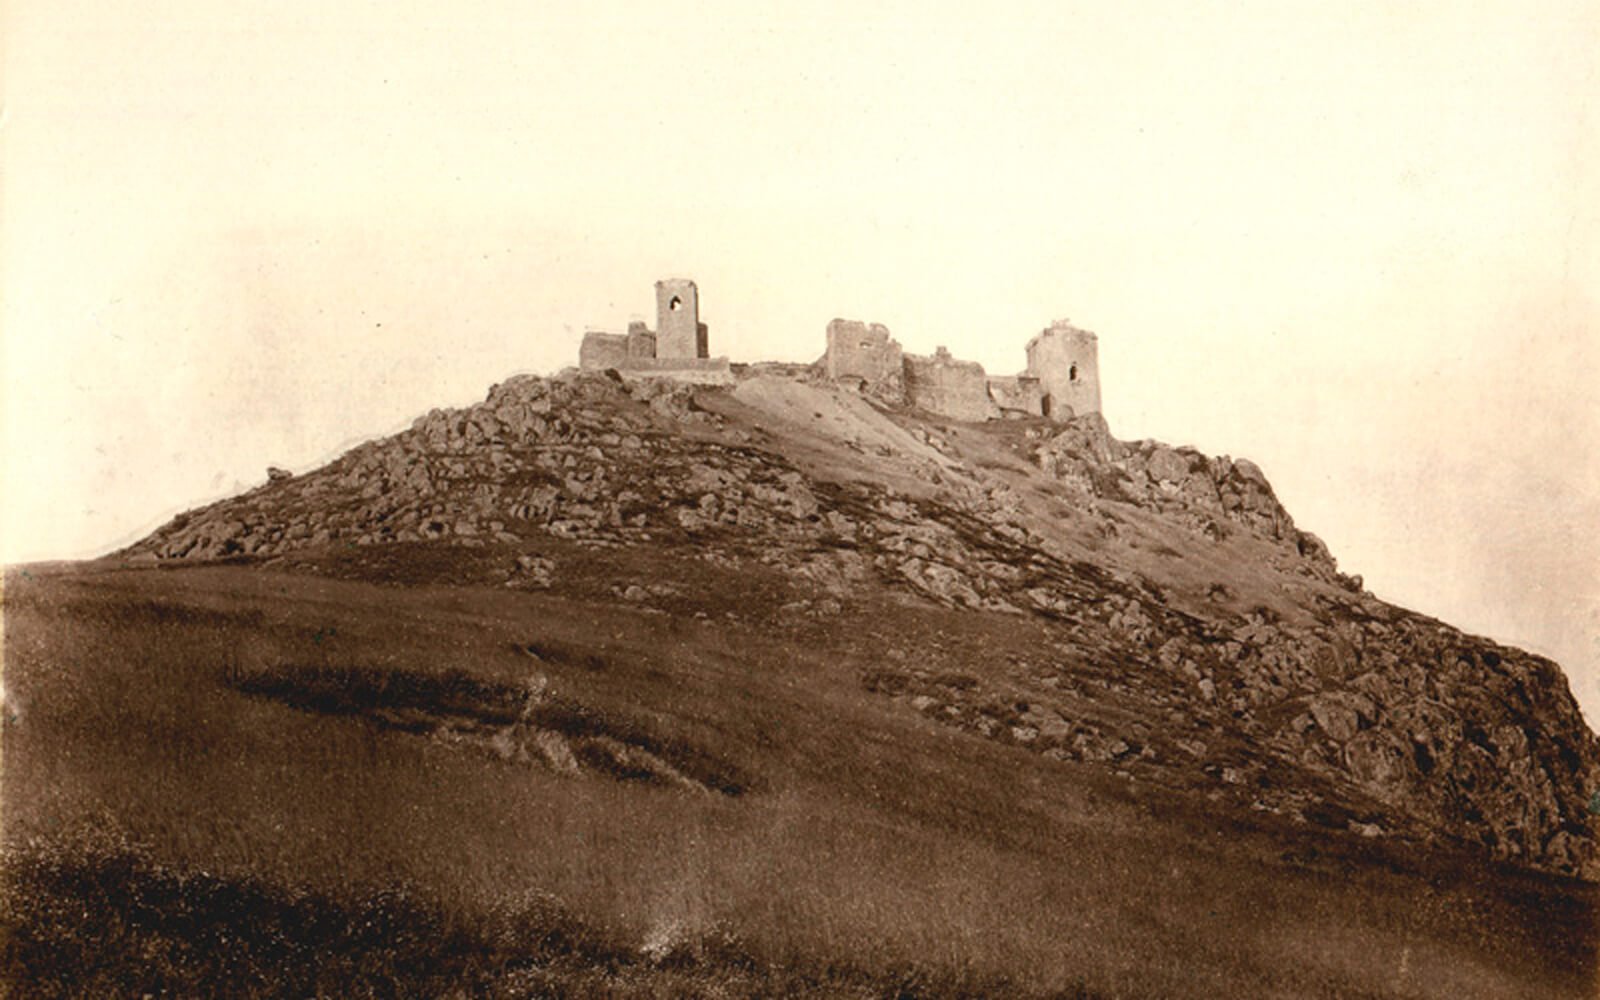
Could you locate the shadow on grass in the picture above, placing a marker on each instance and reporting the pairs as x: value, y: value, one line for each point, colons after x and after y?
x: 110, y: 923
x: 515, y: 721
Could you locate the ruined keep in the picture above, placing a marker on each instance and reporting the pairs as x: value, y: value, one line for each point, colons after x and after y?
x: 679, y: 332
x: 678, y: 348
x: 861, y: 350
x: 1066, y: 361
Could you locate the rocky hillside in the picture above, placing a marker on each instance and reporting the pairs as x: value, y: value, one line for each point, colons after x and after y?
x: 1195, y: 638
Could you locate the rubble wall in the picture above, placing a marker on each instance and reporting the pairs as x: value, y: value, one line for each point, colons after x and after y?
x: 947, y: 387
x: 1019, y: 394
x: 861, y: 350
x: 600, y: 351
x: 641, y: 341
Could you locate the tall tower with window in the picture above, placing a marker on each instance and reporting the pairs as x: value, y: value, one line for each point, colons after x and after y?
x: 679, y: 332
x: 1066, y: 361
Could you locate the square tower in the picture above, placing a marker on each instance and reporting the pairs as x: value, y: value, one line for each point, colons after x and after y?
x: 679, y: 332
x: 1066, y: 362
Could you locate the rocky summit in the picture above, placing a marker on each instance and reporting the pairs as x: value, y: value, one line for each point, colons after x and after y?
x: 1183, y: 632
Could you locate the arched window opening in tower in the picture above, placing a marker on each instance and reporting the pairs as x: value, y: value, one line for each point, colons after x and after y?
x: 675, y: 304
x: 1072, y: 374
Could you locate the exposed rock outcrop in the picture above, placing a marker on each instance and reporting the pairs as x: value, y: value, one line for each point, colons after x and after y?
x: 1209, y: 495
x: 1335, y: 708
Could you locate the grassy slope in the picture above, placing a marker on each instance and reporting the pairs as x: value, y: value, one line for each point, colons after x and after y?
x: 874, y: 850
x: 165, y: 830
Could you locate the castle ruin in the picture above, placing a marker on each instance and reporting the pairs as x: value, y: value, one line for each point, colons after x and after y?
x: 678, y: 348
x: 858, y: 350
x: 1066, y: 361
x: 1061, y: 380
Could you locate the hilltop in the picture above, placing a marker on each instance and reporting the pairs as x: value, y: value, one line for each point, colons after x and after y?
x: 631, y: 687
x: 1191, y: 633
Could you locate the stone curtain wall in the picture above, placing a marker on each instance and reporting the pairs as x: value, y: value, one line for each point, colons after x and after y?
x: 701, y: 371
x: 1017, y: 394
x: 641, y: 341
x: 1062, y: 377
x: 950, y: 388
x: 600, y: 351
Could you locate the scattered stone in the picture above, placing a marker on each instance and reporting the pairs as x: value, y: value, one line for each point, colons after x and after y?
x: 1431, y: 731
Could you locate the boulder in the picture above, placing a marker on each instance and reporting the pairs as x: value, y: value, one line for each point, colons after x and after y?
x: 1167, y: 466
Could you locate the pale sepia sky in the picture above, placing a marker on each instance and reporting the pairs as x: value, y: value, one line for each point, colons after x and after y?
x: 1358, y: 243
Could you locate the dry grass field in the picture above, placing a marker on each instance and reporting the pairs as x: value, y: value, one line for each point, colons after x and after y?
x: 231, y: 781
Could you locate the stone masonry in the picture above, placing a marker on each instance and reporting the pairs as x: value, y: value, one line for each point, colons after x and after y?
x: 1062, y: 379
x: 1017, y: 395
x: 679, y: 332
x: 1065, y: 360
x: 678, y: 348
x: 861, y: 350
x: 950, y: 388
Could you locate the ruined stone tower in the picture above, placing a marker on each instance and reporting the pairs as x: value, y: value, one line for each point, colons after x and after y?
x: 1066, y: 361
x: 861, y: 350
x: 679, y: 350
x: 679, y: 332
